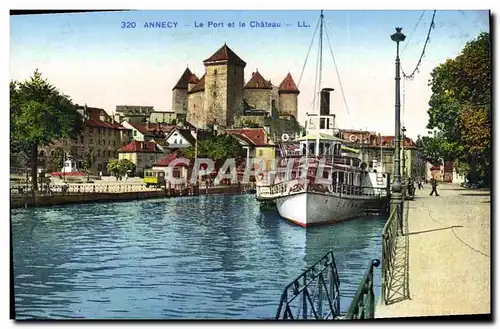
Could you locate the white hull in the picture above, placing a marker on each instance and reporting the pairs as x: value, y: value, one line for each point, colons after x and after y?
x: 312, y: 208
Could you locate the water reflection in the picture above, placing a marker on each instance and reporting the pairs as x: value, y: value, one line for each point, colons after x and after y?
x: 196, y: 257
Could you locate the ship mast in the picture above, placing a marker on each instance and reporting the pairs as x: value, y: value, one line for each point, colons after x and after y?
x: 319, y: 81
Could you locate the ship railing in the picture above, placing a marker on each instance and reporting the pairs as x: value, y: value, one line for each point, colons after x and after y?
x: 363, y: 303
x: 314, y: 294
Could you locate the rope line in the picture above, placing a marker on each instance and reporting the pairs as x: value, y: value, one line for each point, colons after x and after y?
x: 412, y: 75
x: 412, y: 32
x: 338, y: 77
x: 308, y: 52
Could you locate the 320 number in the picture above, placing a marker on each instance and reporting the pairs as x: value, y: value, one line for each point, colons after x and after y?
x: 128, y: 25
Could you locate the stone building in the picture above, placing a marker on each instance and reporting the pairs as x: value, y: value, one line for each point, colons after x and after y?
x: 133, y: 113
x: 288, y: 96
x: 100, y: 138
x: 381, y: 148
x: 142, y: 154
x: 220, y: 95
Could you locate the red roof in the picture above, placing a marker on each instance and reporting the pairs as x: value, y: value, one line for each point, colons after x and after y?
x: 194, y: 79
x: 200, y: 85
x: 389, y: 140
x: 103, y: 124
x: 288, y: 85
x: 258, y: 82
x: 165, y: 161
x: 224, y: 54
x: 255, y: 136
x: 184, y: 80
x: 140, y: 147
x: 435, y: 167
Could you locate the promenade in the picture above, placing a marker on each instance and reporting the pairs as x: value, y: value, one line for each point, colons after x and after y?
x: 448, y: 256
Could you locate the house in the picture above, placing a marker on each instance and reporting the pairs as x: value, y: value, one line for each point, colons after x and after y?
x: 146, y: 131
x: 257, y: 144
x: 182, y: 137
x: 180, y: 170
x: 142, y: 154
x: 99, y: 138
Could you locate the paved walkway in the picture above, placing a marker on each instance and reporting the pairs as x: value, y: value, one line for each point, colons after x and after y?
x: 448, y: 255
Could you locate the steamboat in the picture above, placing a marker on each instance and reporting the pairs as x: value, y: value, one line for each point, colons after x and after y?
x: 318, y: 179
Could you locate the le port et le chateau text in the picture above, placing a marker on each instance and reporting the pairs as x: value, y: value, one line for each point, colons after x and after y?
x: 211, y: 24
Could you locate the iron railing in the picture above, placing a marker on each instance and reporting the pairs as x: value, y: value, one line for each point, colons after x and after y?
x: 80, y: 189
x: 363, y: 303
x: 394, y: 257
x: 314, y: 294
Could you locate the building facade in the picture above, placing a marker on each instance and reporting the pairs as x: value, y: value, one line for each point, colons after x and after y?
x: 99, y: 139
x: 142, y: 154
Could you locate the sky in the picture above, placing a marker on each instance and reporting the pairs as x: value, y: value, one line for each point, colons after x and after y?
x: 94, y: 60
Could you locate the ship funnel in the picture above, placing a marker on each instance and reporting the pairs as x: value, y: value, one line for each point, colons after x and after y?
x: 325, y: 101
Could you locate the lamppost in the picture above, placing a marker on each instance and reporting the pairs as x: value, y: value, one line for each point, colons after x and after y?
x: 397, y: 197
x: 404, y: 154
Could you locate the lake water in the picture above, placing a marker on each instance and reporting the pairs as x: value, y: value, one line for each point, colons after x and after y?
x: 212, y: 257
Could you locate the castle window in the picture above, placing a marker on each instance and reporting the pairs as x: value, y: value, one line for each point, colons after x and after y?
x: 215, y: 93
x: 215, y: 71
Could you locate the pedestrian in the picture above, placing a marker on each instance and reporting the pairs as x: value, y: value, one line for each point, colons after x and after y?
x: 419, y: 184
x: 434, y: 185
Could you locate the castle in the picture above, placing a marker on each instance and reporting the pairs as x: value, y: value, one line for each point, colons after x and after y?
x: 220, y: 94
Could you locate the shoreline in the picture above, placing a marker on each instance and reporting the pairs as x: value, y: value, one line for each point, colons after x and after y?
x: 28, y: 201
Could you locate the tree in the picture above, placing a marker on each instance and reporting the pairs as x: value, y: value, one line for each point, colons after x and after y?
x: 218, y: 148
x: 57, y: 159
x: 87, y: 164
x: 40, y: 114
x: 127, y: 166
x: 119, y: 168
x: 460, y: 109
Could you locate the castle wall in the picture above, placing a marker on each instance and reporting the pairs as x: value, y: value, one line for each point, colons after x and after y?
x: 258, y: 98
x: 196, y: 113
x: 288, y: 103
x: 235, y: 93
x: 215, y: 103
x: 179, y: 101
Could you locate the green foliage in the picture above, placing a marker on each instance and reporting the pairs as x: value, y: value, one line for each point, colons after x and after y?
x: 57, y: 159
x: 218, y: 148
x: 119, y: 168
x: 459, y: 108
x: 39, y: 114
x: 87, y: 164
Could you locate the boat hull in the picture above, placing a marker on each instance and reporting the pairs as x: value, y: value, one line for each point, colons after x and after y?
x: 310, y: 208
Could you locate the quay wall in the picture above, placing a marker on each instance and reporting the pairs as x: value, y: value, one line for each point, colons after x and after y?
x: 28, y: 201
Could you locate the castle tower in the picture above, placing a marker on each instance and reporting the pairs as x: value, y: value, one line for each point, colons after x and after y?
x: 288, y: 96
x: 179, y: 93
x: 258, y: 92
x: 224, y: 82
x: 196, y: 102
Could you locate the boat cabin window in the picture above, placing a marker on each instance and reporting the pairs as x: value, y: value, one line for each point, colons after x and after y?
x: 322, y: 123
x: 334, y: 177
x: 337, y: 150
x: 311, y: 148
x: 341, y: 177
